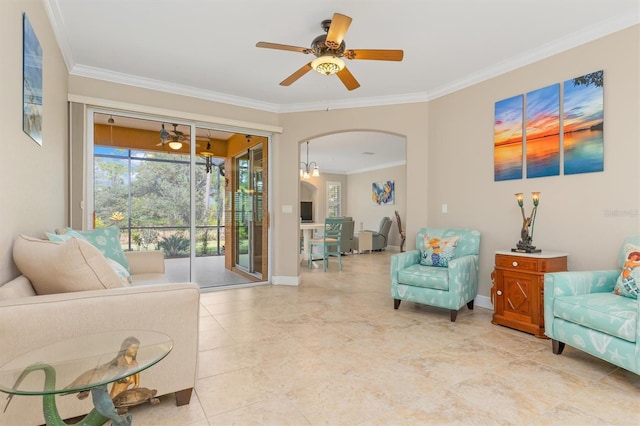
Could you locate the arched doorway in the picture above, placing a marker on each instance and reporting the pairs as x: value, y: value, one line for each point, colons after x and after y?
x: 352, y: 161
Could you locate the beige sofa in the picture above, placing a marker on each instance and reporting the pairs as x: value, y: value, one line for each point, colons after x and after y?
x: 28, y: 321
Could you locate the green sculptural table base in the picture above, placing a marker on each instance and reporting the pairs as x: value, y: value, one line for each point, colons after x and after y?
x: 103, y: 411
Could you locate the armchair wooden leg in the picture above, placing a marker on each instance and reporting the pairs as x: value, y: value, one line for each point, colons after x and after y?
x: 454, y: 315
x: 470, y: 305
x: 557, y: 346
x: 183, y: 397
x: 396, y: 303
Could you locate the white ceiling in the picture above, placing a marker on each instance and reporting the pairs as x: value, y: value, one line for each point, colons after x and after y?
x: 207, y: 48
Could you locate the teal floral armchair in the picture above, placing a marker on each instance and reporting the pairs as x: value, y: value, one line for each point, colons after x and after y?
x: 442, y: 271
x: 582, y: 309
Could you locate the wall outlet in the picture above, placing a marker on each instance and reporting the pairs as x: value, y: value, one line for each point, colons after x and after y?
x: 444, y: 208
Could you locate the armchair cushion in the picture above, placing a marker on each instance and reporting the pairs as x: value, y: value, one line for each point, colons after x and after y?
x: 438, y: 251
x: 627, y: 282
x: 425, y: 276
x: 607, y: 313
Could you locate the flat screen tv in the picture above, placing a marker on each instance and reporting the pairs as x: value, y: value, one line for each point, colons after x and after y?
x: 306, y: 211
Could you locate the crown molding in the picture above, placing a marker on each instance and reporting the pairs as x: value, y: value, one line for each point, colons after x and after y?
x: 366, y: 169
x: 176, y: 89
x: 52, y: 9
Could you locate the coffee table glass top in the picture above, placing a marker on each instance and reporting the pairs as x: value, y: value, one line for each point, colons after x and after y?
x: 84, y: 362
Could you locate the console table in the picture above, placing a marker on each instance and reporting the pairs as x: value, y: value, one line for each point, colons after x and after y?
x: 518, y: 288
x: 83, y: 364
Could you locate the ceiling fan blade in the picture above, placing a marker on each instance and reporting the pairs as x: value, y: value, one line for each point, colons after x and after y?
x: 339, y: 26
x: 267, y: 45
x: 296, y: 75
x: 374, y: 54
x: 348, y: 79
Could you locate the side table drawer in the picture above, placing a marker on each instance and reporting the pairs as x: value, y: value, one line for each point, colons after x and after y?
x: 517, y: 263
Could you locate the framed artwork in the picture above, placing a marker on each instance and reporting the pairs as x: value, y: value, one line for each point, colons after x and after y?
x: 32, y: 82
x: 543, y: 132
x: 383, y: 193
x: 507, y: 139
x: 584, y: 124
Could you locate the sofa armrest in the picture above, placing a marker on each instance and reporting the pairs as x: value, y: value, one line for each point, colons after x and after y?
x: 402, y: 260
x: 574, y: 283
x: 579, y: 282
x: 173, y: 309
x: 145, y: 262
x: 463, y: 276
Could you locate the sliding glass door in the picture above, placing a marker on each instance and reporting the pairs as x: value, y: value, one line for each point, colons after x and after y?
x: 169, y: 186
x: 249, y: 211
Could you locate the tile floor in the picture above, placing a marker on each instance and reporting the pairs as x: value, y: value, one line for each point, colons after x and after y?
x: 333, y: 351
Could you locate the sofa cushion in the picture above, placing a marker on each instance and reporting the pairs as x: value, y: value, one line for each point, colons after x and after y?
x: 107, y: 240
x: 629, y: 279
x: 438, y: 251
x: 424, y: 276
x: 605, y: 312
x: 121, y: 271
x: 73, y: 265
x: 17, y: 288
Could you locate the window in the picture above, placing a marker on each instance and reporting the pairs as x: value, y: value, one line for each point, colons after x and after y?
x: 334, y: 197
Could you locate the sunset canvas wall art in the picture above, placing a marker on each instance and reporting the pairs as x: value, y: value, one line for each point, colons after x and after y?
x: 583, y: 122
x: 542, y: 134
x: 507, y: 139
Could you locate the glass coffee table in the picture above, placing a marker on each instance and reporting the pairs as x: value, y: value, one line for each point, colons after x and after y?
x: 81, y: 365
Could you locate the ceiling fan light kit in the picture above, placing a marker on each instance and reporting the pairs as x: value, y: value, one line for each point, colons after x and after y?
x: 175, y: 145
x: 327, y: 64
x: 329, y: 50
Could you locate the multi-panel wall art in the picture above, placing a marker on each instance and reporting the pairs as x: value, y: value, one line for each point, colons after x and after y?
x: 507, y: 134
x: 583, y: 124
x: 570, y: 133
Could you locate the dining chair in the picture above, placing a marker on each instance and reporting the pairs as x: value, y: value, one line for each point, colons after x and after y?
x: 329, y: 243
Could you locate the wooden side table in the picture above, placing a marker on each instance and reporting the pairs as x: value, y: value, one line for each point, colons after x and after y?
x: 518, y: 288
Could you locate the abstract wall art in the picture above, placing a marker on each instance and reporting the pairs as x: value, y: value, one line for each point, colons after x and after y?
x: 383, y: 193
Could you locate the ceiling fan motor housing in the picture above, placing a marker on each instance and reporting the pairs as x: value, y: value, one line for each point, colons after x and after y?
x: 320, y: 48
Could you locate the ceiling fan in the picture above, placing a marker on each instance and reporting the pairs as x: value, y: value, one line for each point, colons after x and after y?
x: 329, y: 50
x: 175, y: 138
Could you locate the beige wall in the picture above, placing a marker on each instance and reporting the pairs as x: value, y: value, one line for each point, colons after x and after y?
x: 585, y: 215
x: 450, y: 161
x: 34, y: 191
x: 365, y: 212
x: 574, y: 212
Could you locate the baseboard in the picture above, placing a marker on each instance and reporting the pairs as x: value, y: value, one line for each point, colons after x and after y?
x: 285, y: 280
x: 483, y: 302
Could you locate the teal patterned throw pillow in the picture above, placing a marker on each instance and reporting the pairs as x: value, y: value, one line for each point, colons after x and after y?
x: 629, y: 279
x: 107, y: 240
x: 438, y: 251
